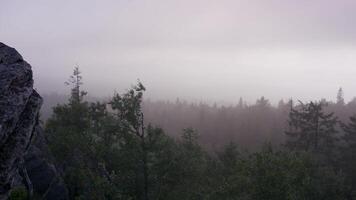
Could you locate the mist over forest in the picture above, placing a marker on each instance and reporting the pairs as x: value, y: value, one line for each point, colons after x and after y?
x: 177, y: 100
x: 250, y: 125
x: 170, y: 148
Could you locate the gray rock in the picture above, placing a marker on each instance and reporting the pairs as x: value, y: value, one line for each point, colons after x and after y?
x: 19, y: 109
x: 44, y: 176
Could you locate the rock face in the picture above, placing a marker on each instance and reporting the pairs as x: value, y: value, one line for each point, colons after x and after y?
x: 19, y: 108
x: 42, y: 173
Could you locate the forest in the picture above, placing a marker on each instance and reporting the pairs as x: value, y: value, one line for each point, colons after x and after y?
x: 128, y: 148
x: 177, y: 100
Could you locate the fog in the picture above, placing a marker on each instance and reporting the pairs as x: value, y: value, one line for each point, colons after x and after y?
x: 245, y: 99
x: 212, y: 51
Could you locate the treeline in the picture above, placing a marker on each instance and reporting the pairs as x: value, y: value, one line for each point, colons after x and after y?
x: 107, y: 150
x: 248, y: 125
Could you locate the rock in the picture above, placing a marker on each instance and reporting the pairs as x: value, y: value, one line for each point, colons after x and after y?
x: 19, y: 110
x: 44, y: 176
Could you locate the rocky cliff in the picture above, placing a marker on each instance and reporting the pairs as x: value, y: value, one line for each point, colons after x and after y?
x: 22, y: 143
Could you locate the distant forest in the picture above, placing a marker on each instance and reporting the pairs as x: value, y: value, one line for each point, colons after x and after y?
x: 249, y: 125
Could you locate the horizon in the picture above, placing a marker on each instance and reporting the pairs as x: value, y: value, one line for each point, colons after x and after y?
x: 90, y: 98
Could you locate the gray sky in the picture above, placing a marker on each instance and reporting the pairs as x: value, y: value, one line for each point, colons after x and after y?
x: 193, y: 49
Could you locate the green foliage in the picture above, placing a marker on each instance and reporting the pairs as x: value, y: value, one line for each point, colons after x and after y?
x: 188, y: 169
x: 108, y: 151
x: 281, y: 175
x: 311, y: 129
x: 71, y: 140
x: 275, y: 175
x: 348, y: 153
x: 19, y: 193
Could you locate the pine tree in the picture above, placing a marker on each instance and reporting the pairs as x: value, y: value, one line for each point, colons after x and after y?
x: 348, y: 159
x: 70, y: 133
x: 340, y: 97
x: 145, y: 154
x: 263, y: 102
x: 129, y: 112
x: 75, y: 81
x: 70, y: 121
x: 310, y: 129
x: 241, y: 103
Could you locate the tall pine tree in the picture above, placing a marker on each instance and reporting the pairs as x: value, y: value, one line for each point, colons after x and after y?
x: 310, y: 129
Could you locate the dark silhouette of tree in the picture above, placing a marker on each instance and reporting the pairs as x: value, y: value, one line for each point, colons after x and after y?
x: 75, y: 81
x: 348, y: 156
x: 70, y: 139
x: 340, y: 97
x: 310, y: 129
x: 131, y: 118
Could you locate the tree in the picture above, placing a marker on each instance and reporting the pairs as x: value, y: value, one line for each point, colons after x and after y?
x: 263, y: 102
x: 231, y: 178
x: 131, y: 119
x: 310, y: 129
x: 75, y: 81
x: 147, y: 159
x: 348, y: 159
x: 271, y: 174
x: 340, y: 97
x: 190, y: 169
x: 70, y: 133
x: 291, y: 175
x: 241, y: 103
x: 69, y: 123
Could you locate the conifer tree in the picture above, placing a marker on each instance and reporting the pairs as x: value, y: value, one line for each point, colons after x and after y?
x: 310, y: 129
x: 348, y: 159
x: 71, y: 140
x: 340, y: 97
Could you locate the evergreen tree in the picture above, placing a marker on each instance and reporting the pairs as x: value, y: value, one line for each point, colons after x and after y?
x: 263, y: 102
x: 310, y: 129
x: 191, y: 177
x: 131, y: 119
x: 70, y: 132
x: 348, y: 160
x: 340, y: 97
x: 145, y: 150
x: 66, y: 131
x: 241, y: 103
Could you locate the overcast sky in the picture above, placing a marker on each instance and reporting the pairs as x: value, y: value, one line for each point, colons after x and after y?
x: 193, y: 49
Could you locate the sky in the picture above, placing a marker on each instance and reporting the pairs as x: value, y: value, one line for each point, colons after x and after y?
x: 197, y: 50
